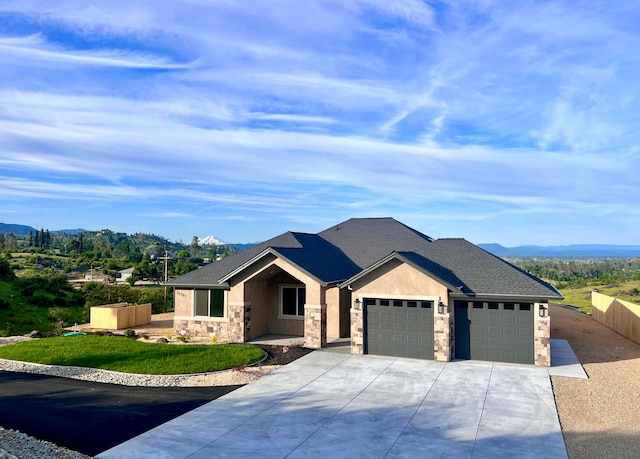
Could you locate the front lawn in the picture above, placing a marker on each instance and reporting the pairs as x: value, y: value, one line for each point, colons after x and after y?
x: 130, y: 356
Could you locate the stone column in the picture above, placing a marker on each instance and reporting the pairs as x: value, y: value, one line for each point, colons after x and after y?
x: 315, y: 325
x: 357, y: 328
x: 442, y: 339
x: 236, y: 313
x: 542, y: 336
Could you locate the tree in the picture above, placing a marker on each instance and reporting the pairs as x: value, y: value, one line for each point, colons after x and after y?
x: 6, y: 273
x: 194, y: 246
x: 10, y: 242
x: 131, y: 280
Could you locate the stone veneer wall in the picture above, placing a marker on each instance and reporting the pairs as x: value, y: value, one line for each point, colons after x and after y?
x: 315, y: 326
x: 442, y: 336
x: 542, y: 339
x: 230, y: 331
x: 357, y: 330
x: 204, y: 327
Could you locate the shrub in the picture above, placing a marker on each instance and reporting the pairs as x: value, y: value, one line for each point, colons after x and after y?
x: 129, y: 333
x: 41, y: 299
x: 184, y: 336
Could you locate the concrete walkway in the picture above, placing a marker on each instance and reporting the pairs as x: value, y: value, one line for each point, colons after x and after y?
x: 329, y: 404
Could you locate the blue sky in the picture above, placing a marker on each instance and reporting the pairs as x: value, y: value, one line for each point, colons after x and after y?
x: 508, y: 122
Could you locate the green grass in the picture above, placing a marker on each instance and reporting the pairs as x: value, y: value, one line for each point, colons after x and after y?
x: 581, y: 296
x: 130, y: 356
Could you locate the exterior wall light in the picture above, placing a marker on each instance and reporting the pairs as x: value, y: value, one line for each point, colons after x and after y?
x: 543, y: 311
x: 358, y: 304
x: 442, y: 308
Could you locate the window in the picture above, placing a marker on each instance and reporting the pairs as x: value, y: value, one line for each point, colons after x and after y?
x: 292, y: 300
x: 509, y: 307
x: 209, y: 303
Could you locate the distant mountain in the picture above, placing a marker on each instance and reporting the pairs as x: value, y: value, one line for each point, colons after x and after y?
x: 210, y: 240
x: 17, y: 230
x: 23, y: 230
x: 564, y: 251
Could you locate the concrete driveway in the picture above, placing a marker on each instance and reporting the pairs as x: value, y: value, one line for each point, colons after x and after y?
x: 339, y: 405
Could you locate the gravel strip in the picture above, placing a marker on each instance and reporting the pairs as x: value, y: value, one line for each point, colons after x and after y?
x: 600, y: 416
x: 218, y: 378
x: 16, y: 445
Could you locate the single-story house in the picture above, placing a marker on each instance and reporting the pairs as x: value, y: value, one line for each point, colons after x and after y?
x: 125, y: 274
x: 390, y: 288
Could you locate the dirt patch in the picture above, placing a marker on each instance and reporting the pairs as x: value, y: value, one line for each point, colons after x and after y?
x: 600, y: 417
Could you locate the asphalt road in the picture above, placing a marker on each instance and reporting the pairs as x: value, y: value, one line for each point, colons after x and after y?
x: 91, y: 417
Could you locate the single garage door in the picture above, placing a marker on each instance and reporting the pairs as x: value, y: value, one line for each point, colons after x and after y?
x: 500, y: 332
x: 402, y: 328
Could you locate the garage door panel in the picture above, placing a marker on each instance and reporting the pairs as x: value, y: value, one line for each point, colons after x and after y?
x: 494, y: 331
x: 409, y: 326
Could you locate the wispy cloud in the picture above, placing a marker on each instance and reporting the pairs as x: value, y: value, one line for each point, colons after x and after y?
x: 36, y: 50
x: 483, y: 117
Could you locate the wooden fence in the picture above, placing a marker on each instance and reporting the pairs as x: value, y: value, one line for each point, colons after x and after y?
x: 619, y: 315
x: 120, y: 315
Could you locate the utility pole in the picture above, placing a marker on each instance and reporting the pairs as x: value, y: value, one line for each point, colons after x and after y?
x: 166, y: 277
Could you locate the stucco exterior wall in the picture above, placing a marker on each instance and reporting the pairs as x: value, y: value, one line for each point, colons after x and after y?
x: 398, y: 279
x: 256, y: 313
x: 183, y: 302
x: 333, y: 312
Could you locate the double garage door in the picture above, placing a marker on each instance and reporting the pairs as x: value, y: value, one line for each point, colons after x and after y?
x: 501, y: 332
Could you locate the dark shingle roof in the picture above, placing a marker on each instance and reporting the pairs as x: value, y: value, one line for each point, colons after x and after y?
x: 344, y: 251
x: 320, y: 258
x: 482, y: 273
x: 367, y: 240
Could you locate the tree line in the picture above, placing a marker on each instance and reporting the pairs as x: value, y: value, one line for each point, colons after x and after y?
x: 565, y: 273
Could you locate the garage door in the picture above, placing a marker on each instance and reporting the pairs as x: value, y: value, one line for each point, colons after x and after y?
x: 402, y: 328
x: 501, y: 332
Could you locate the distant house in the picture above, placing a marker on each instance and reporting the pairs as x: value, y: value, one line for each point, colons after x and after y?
x: 124, y: 274
x: 390, y: 288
